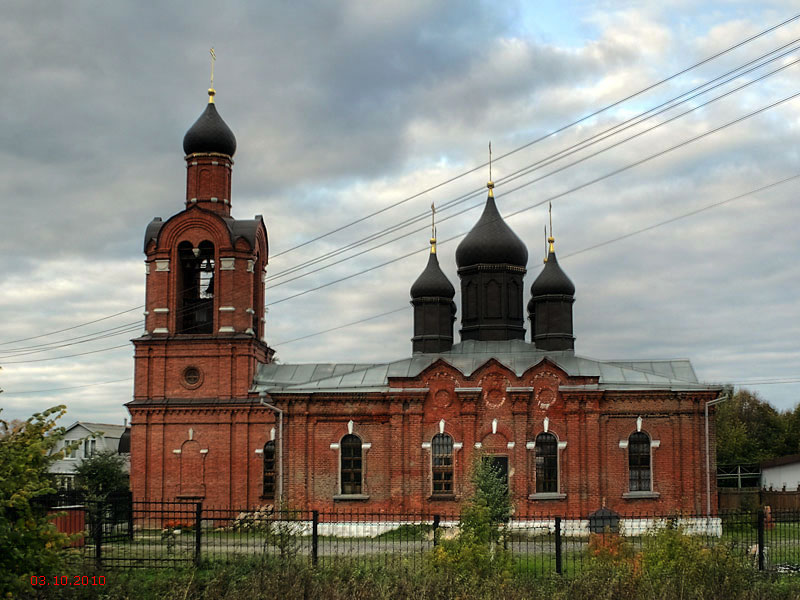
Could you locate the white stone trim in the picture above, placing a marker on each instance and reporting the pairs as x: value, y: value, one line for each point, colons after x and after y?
x: 426, y: 445
x: 226, y: 329
x: 147, y: 268
x: 204, y: 451
x: 145, y: 313
x: 259, y: 451
x: 227, y: 308
x: 350, y: 427
x: 562, y: 445
x: 249, y: 311
x: 655, y: 443
x: 510, y: 445
x: 214, y: 199
x: 458, y: 445
x: 227, y: 264
x: 530, y: 445
x: 366, y: 445
x: 272, y: 435
x: 160, y: 310
x: 623, y: 444
x: 249, y: 331
x: 335, y: 446
x: 215, y: 162
x: 478, y: 445
x: 177, y: 451
x: 160, y: 330
x: 441, y: 426
x: 162, y: 265
x: 193, y: 200
x: 251, y: 265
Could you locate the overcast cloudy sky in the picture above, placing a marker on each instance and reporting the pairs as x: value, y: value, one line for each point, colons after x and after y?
x: 343, y: 108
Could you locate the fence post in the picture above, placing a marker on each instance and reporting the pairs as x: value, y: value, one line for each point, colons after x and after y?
x: 198, y: 517
x: 558, y: 545
x: 129, y: 500
x: 436, y: 519
x: 760, y: 539
x: 98, y: 533
x: 314, y: 537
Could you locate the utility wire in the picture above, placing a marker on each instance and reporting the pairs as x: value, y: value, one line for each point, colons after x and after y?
x: 544, y: 137
x: 73, y: 387
x: 577, y: 147
x: 551, y: 198
x: 566, y: 256
x: 73, y: 327
x: 498, y: 158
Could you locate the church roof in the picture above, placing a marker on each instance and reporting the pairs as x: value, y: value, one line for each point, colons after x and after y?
x: 432, y: 282
x: 209, y: 134
x: 491, y: 241
x: 245, y: 228
x: 467, y: 357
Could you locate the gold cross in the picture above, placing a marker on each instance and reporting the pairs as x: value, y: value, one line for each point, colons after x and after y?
x: 213, y: 59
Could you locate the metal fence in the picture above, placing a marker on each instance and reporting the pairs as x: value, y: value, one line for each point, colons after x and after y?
x: 123, y: 534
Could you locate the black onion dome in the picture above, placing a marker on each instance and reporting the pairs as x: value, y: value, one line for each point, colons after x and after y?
x: 491, y: 241
x: 432, y: 282
x: 209, y: 134
x: 552, y: 280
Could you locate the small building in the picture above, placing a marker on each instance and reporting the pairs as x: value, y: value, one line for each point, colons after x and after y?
x: 108, y: 437
x: 782, y: 473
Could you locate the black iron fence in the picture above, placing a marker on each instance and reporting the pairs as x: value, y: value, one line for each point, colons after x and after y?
x: 121, y: 534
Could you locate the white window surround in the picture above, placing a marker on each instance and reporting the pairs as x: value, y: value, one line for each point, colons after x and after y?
x: 456, y: 447
x: 337, y: 447
x: 561, y: 445
x: 642, y: 494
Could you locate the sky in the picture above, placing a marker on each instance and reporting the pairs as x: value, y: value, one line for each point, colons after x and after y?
x: 343, y: 109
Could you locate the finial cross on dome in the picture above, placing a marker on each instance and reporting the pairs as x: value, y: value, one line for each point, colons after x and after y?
x: 490, y: 183
x: 211, y: 91
x: 433, y: 228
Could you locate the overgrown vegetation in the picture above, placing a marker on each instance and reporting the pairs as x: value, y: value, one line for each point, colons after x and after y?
x: 750, y: 430
x: 29, y: 542
x: 102, y: 475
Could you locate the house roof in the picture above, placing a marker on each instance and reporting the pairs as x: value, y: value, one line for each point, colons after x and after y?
x: 467, y: 357
x: 109, y: 430
x: 780, y: 461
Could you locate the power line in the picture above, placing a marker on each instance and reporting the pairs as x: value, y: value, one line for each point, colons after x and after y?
x: 73, y: 327
x: 573, y: 149
x: 32, y: 360
x: 73, y: 387
x: 544, y: 137
x: 364, y: 320
x: 551, y: 198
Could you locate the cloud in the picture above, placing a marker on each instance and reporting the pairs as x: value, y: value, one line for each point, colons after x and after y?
x: 341, y: 109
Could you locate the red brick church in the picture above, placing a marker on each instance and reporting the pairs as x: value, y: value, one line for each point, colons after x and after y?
x: 215, y: 418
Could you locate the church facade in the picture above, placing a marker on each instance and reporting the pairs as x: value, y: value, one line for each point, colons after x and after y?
x: 214, y: 418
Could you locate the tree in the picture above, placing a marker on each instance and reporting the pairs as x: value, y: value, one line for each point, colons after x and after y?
x: 101, y: 475
x: 750, y: 430
x: 29, y: 542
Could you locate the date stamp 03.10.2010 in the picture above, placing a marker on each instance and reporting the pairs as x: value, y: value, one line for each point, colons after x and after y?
x: 67, y: 580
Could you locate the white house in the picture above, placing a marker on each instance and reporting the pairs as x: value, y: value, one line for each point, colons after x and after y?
x: 111, y: 437
x: 782, y: 473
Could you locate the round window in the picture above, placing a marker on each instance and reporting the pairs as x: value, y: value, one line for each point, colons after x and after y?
x: 192, y: 377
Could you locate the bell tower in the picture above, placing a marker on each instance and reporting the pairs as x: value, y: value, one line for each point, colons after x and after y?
x: 205, y: 271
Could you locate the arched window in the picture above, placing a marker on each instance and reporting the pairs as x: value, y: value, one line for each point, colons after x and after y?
x: 639, y: 462
x: 442, y: 464
x: 195, y: 288
x: 269, y: 470
x: 351, y: 464
x: 546, y: 463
